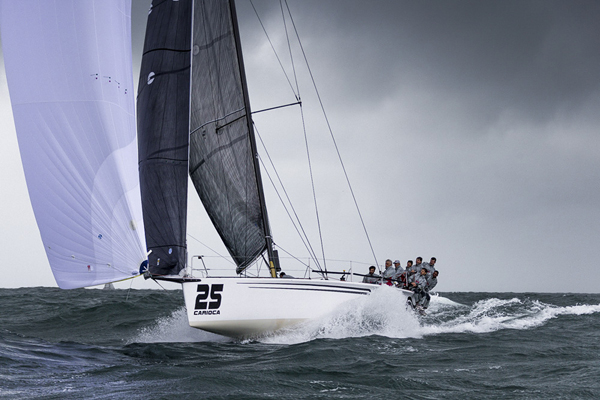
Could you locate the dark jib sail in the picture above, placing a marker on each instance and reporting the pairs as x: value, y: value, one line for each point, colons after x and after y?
x: 163, y: 131
x: 222, y: 165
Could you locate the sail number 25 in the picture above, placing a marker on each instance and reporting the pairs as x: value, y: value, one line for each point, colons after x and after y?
x: 215, y: 296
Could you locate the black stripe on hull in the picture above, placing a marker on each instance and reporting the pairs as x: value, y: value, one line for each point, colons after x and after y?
x: 312, y: 289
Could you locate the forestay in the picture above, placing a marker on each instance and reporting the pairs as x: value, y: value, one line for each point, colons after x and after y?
x: 68, y: 66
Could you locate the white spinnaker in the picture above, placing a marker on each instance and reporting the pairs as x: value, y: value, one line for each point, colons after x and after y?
x: 69, y: 72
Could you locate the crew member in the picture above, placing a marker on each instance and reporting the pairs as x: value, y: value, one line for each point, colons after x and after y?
x: 418, y: 286
x: 399, y: 275
x: 371, y: 277
x: 409, y: 273
x: 430, y: 266
x: 431, y: 283
x: 418, y: 264
x: 389, y: 269
x: 389, y: 272
x: 398, y: 266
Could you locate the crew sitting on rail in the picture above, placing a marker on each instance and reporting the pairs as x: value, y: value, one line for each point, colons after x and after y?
x: 371, y: 277
x: 389, y: 272
x: 418, y: 285
x: 431, y: 283
x: 409, y: 274
x: 418, y: 264
x: 284, y: 275
x: 398, y: 267
x: 409, y: 265
x: 430, y: 266
x: 400, y: 274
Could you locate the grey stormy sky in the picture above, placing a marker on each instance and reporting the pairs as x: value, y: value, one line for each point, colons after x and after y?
x: 470, y: 131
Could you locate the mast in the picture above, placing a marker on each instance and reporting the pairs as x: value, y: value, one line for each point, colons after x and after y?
x: 261, y: 193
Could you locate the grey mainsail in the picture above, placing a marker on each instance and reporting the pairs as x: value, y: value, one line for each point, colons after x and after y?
x: 223, y: 165
x: 163, y: 131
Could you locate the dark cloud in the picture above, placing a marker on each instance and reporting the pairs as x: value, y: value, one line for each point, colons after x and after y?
x: 530, y: 56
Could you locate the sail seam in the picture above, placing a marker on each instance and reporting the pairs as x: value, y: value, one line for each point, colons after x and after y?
x: 166, y: 49
x: 215, y: 40
x: 175, y: 71
x: 220, y: 119
x: 215, y: 151
x: 162, y: 158
x: 165, y: 150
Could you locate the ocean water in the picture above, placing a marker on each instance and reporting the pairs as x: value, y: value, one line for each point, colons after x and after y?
x: 136, y: 344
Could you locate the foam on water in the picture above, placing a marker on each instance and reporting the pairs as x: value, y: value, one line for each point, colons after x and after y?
x: 494, y: 314
x: 174, y: 328
x: 384, y: 313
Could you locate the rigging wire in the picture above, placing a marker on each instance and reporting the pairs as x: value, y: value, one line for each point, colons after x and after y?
x: 303, y: 235
x: 293, y: 256
x: 331, y: 133
x: 129, y: 290
x: 211, y: 249
x: 312, y: 183
x: 161, y: 286
x: 297, y: 95
x: 290, y: 49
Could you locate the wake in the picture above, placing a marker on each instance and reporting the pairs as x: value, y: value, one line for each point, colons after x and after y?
x: 384, y: 313
x: 490, y: 315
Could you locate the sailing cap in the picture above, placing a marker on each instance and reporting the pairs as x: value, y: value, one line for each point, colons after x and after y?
x: 397, y: 262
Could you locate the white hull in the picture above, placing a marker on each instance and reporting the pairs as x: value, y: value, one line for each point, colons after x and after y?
x: 250, y: 307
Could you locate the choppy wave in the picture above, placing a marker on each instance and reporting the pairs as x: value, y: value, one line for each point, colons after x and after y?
x: 494, y: 314
x: 103, y: 317
x: 174, y: 328
x: 383, y: 313
x: 138, y: 345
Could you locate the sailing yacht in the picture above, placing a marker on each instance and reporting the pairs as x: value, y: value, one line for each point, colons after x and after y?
x: 73, y: 105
